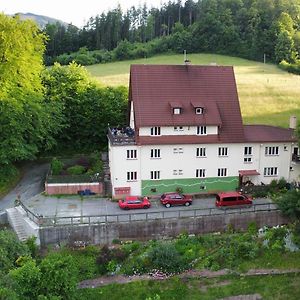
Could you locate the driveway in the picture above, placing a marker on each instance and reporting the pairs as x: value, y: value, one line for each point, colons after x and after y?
x: 31, y: 184
x: 70, y: 206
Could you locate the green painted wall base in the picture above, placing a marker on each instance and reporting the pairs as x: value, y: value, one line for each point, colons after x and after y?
x: 190, y: 185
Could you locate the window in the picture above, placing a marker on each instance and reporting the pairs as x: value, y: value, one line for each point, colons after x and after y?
x: 178, y: 128
x: 155, y: 153
x: 201, y: 152
x: 155, y: 175
x: 200, y: 173
x: 222, y: 172
x: 248, y: 151
x: 201, y: 130
x: 247, y: 160
x: 199, y: 110
x: 223, y: 151
x: 176, y: 111
x: 131, y: 176
x: 271, y: 171
x: 177, y: 150
x: 155, y: 131
x: 272, y: 150
x: 131, y: 154
x: 177, y: 172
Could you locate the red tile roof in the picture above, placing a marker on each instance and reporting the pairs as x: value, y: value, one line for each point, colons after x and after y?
x: 153, y: 87
x: 266, y: 133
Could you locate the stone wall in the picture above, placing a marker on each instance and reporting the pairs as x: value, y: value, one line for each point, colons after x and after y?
x: 155, y: 229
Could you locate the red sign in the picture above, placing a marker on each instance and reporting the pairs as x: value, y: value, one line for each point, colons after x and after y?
x: 122, y: 190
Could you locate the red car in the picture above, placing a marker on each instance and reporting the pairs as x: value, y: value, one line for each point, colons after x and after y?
x: 232, y: 199
x: 131, y: 202
x: 170, y: 199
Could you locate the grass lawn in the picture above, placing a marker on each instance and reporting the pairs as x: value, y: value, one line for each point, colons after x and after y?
x: 269, y: 287
x: 267, y: 94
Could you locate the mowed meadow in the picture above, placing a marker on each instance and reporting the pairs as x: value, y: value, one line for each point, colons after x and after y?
x: 267, y: 94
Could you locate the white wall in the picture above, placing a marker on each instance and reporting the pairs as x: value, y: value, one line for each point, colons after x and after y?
x: 169, y: 130
x: 188, y: 162
x: 120, y: 165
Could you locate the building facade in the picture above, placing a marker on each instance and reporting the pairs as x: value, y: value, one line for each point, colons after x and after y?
x: 186, y: 133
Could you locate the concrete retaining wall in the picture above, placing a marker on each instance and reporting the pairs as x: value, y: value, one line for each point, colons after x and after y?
x: 156, y: 229
x: 72, y: 188
x: 3, y: 218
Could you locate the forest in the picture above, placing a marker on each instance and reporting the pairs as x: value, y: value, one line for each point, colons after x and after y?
x: 253, y: 29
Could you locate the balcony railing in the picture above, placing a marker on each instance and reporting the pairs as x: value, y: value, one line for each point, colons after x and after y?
x: 124, y: 136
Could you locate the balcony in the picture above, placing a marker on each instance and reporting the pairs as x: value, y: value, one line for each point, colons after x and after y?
x: 296, y: 158
x: 121, y: 137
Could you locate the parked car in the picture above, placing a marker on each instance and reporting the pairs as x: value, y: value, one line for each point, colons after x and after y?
x: 170, y: 199
x: 232, y: 199
x: 131, y: 202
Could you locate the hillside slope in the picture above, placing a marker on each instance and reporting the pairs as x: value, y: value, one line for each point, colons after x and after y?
x: 267, y: 94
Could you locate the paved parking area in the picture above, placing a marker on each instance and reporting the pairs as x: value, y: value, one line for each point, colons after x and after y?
x: 70, y: 206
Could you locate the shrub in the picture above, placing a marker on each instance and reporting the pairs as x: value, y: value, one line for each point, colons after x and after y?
x: 56, y: 166
x: 165, y: 257
x: 76, y: 170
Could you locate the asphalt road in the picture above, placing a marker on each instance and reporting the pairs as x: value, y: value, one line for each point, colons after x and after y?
x: 31, y: 184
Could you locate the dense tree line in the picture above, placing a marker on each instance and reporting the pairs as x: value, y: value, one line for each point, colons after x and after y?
x: 41, y: 109
x: 246, y: 28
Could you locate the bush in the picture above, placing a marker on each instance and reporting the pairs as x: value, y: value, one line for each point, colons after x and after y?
x: 165, y: 257
x: 56, y: 166
x: 76, y: 170
x: 289, y: 204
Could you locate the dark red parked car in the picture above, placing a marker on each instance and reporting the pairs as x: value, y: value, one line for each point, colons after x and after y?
x: 170, y: 199
x: 227, y: 199
x: 131, y: 202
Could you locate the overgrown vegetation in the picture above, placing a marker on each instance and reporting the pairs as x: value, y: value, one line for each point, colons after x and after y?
x: 25, y: 274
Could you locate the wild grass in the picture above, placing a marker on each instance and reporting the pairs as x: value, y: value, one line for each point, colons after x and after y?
x: 269, y: 287
x: 268, y: 95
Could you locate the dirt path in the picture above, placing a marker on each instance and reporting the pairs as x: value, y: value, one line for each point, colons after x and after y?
x: 121, y: 279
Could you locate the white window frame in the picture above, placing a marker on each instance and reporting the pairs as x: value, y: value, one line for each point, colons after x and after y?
x: 178, y: 150
x: 247, y: 160
x: 154, y: 175
x: 271, y: 171
x: 272, y: 150
x: 200, y: 173
x: 248, y: 150
x: 155, y: 153
x: 176, y: 110
x: 155, y: 131
x: 201, y: 152
x: 222, y: 172
x: 178, y: 128
x: 131, y: 154
x: 178, y: 172
x: 132, y: 176
x: 201, y: 130
x: 223, y: 151
x: 199, y: 110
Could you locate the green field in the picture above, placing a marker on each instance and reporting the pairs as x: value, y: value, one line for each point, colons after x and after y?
x: 267, y: 94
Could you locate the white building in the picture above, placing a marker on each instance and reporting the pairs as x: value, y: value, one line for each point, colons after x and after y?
x: 186, y: 132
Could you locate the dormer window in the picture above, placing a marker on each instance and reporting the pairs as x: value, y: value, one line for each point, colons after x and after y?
x: 177, y: 111
x: 199, y: 110
x: 176, y: 108
x: 198, y: 107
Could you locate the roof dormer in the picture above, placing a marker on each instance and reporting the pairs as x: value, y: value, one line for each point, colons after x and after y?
x: 198, y: 107
x: 176, y: 108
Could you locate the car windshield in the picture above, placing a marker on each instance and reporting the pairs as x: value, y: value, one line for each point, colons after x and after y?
x: 163, y: 196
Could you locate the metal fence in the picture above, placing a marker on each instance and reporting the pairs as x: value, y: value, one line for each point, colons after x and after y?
x: 125, y: 217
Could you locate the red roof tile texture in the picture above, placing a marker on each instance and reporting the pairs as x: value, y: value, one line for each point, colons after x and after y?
x: 154, y: 87
x: 266, y: 133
